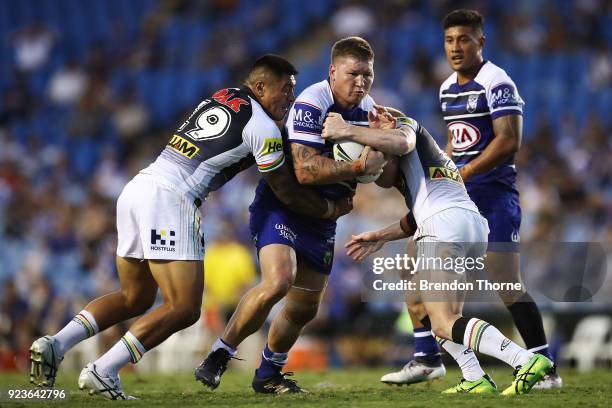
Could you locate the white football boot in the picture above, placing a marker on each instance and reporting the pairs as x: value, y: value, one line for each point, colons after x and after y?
x: 44, y: 361
x: 550, y: 381
x: 108, y: 387
x: 414, y: 372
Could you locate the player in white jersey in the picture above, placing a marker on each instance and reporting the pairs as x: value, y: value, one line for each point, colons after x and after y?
x: 296, y: 252
x: 445, y: 224
x: 158, y: 223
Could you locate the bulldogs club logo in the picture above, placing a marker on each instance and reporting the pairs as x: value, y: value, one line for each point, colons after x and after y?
x: 472, y: 103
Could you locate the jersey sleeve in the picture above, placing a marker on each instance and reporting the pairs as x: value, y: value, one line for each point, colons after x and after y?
x: 264, y: 138
x: 305, y: 121
x: 503, y: 97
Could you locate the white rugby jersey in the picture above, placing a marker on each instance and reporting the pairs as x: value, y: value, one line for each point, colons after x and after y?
x: 224, y: 135
x: 430, y: 180
x: 469, y: 111
x: 305, y: 124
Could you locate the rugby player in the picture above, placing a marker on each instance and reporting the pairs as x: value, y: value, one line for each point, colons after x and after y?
x: 158, y: 223
x: 483, y: 112
x: 296, y: 252
x: 445, y: 223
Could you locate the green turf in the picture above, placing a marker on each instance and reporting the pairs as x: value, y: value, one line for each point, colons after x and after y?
x: 341, y: 388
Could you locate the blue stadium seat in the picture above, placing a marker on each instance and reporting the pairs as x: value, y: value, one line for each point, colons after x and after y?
x: 84, y: 154
x: 603, y: 101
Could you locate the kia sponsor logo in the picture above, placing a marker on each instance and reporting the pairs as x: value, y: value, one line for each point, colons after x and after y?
x: 464, y: 135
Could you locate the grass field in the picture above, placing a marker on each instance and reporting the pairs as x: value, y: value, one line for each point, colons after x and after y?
x: 341, y: 388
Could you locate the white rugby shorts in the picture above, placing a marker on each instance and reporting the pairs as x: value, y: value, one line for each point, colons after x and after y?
x: 156, y: 222
x: 454, y: 232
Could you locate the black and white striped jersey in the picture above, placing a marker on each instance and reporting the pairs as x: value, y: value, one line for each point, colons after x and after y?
x: 430, y: 180
x: 224, y: 135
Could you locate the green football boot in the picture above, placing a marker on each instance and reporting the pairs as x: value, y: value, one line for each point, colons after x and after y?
x: 483, y: 385
x: 528, y: 374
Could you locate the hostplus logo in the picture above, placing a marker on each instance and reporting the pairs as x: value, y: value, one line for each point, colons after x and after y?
x: 163, y: 240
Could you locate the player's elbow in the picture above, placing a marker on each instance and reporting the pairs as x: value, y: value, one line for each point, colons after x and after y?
x: 407, y: 142
x: 509, y: 143
x: 514, y: 146
x: 510, y: 148
x: 403, y: 147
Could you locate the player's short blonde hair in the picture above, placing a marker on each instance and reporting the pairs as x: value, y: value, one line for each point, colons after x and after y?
x: 355, y: 47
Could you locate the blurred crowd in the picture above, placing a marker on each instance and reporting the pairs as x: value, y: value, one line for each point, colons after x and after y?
x: 85, y: 105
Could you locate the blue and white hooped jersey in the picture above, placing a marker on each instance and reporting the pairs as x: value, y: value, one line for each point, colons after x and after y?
x: 469, y: 111
x: 305, y: 124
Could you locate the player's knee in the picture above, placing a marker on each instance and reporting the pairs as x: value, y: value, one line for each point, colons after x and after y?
x: 275, y: 289
x: 417, y: 310
x: 137, y: 302
x: 183, y: 314
x: 301, y: 314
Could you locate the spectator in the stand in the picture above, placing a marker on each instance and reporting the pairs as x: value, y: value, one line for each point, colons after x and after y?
x: 16, y: 102
x: 131, y: 119
x: 600, y: 69
x: 68, y: 84
x: 89, y: 117
x: 33, y: 45
x: 352, y: 18
x: 523, y: 35
x: 109, y: 177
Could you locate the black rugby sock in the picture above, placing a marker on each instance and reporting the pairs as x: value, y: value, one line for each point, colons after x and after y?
x: 528, y: 321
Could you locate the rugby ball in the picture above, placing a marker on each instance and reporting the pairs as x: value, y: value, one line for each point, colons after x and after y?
x: 350, y: 151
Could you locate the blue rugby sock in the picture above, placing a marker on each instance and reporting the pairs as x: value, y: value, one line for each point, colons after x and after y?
x: 426, y: 348
x: 271, y: 363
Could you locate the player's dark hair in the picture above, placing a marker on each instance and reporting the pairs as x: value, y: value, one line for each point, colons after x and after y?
x: 355, y: 47
x: 464, y: 17
x: 274, y: 64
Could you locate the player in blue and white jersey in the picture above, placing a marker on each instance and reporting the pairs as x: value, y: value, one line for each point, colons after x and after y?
x: 158, y: 223
x: 296, y: 252
x: 483, y: 113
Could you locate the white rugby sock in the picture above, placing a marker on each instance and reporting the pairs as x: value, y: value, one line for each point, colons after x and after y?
x: 127, y: 349
x: 485, y: 338
x: 81, y: 327
x: 221, y: 344
x: 465, y: 358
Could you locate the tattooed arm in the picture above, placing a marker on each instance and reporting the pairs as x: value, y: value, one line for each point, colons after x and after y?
x: 313, y: 168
